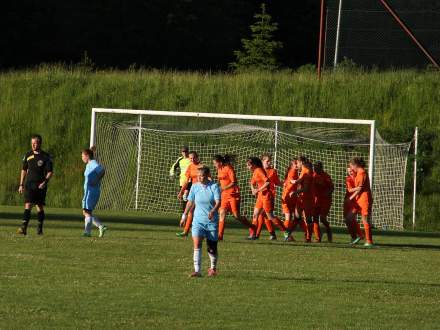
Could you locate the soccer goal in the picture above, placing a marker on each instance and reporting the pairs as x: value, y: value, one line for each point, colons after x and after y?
x: 138, y: 147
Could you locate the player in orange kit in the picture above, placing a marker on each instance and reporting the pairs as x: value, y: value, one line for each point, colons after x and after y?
x: 260, y: 188
x: 350, y: 210
x: 362, y: 197
x: 322, y: 189
x: 304, y: 205
x: 274, y: 180
x: 192, y: 176
x: 288, y: 198
x: 230, y: 193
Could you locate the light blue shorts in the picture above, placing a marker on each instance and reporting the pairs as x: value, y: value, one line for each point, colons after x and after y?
x: 90, y: 200
x: 206, y: 230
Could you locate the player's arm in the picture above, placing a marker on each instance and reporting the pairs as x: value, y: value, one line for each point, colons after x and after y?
x: 182, y: 190
x: 305, y: 188
x: 216, y: 192
x: 22, y: 178
x: 49, y: 173
x: 357, y: 190
x: 23, y: 174
x: 298, y: 181
x: 233, y: 180
x: 255, y: 191
x: 175, y: 166
x: 99, y: 175
x: 189, y: 206
x: 331, y: 186
x: 214, y: 209
x: 46, y: 180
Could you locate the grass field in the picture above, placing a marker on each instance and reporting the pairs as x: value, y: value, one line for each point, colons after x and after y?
x: 137, y: 277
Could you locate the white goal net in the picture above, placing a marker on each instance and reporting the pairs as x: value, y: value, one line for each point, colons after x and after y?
x: 138, y: 150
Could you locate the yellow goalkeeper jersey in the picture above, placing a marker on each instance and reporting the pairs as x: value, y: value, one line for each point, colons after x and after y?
x: 180, y: 166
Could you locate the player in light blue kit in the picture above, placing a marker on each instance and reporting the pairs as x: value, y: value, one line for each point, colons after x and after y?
x: 204, y: 196
x: 92, y: 189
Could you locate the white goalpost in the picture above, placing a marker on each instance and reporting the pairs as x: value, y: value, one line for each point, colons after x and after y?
x: 137, y: 147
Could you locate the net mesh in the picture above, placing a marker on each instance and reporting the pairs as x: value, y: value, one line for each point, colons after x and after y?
x: 149, y: 187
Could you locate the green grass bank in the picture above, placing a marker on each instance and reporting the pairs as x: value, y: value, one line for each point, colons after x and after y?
x: 55, y: 101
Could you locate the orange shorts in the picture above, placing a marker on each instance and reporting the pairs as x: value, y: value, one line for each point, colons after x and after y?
x: 288, y: 204
x: 305, y: 205
x: 363, y: 209
x: 322, y: 208
x: 363, y: 205
x: 231, y: 204
x: 265, y: 203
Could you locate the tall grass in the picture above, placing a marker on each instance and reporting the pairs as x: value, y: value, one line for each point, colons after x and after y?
x: 55, y: 101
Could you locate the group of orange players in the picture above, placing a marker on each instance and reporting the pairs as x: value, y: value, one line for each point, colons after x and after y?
x: 306, y: 197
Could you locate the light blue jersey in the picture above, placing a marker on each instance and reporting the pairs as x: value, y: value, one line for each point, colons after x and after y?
x: 204, y: 198
x: 92, y: 186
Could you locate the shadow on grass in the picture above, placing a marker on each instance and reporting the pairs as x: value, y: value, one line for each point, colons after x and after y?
x: 172, y: 221
x: 147, y: 220
x: 313, y: 281
x: 378, y: 246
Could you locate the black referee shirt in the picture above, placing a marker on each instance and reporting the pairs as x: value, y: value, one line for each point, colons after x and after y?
x: 37, y: 166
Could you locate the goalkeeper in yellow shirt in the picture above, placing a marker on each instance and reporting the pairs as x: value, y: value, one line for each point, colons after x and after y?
x: 179, y: 168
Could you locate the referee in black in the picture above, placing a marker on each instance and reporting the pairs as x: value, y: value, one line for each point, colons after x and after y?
x: 35, y: 175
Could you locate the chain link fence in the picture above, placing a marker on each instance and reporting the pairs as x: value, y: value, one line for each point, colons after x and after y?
x: 369, y: 36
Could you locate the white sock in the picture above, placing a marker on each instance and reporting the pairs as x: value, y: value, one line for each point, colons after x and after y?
x: 197, y: 260
x: 96, y: 222
x: 88, y: 224
x: 213, y: 258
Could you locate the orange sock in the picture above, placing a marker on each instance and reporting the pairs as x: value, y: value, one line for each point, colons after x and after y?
x: 269, y: 225
x: 221, y: 229
x: 317, y: 231
x: 279, y: 224
x: 368, y: 234
x: 261, y: 219
x: 309, y: 231
x: 357, y: 228
x: 188, y: 223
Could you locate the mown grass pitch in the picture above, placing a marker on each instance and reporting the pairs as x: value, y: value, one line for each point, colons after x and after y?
x: 137, y: 277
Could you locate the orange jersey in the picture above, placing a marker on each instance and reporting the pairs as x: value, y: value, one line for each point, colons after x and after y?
x: 259, y: 178
x: 289, y: 186
x: 322, y: 186
x: 306, y: 181
x: 363, y: 181
x: 192, y: 172
x: 274, y: 180
x: 226, y: 176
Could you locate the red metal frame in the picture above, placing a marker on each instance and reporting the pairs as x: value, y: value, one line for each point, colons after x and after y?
x: 393, y: 14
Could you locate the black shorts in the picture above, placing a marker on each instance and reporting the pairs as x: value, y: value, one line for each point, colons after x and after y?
x: 34, y: 195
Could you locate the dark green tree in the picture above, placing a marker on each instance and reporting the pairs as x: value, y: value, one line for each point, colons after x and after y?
x: 259, y: 52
